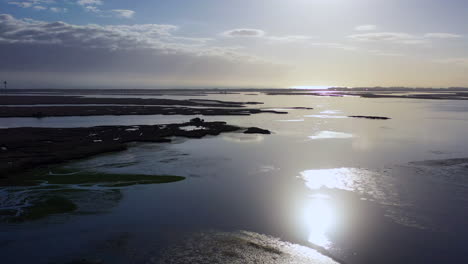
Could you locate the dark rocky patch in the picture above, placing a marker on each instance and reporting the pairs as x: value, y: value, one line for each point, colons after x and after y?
x: 48, y: 111
x: 256, y: 130
x: 300, y: 108
x: 26, y: 148
x: 197, y: 121
x: 372, y: 117
x: 36, y: 100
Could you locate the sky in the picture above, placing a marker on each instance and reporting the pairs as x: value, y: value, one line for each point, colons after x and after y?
x: 241, y: 43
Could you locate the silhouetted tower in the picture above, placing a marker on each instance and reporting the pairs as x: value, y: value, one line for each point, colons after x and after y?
x: 5, y: 84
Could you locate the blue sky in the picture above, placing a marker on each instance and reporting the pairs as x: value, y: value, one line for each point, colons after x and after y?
x: 252, y: 43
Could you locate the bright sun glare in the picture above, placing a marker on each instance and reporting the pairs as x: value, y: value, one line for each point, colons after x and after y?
x: 320, y: 218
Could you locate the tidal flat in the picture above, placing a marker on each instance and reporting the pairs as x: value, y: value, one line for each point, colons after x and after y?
x: 384, y: 187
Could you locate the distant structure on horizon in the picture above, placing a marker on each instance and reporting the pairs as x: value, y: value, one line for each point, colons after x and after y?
x: 5, y: 84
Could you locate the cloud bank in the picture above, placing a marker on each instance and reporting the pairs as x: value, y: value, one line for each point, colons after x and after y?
x: 153, y: 52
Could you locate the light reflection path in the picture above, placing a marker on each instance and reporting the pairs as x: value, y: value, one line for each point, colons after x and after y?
x: 319, y: 214
x: 319, y: 217
x: 340, y: 178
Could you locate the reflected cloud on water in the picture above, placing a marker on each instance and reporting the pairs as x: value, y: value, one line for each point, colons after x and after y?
x: 291, y: 120
x: 331, y: 112
x: 326, y: 116
x: 330, y: 135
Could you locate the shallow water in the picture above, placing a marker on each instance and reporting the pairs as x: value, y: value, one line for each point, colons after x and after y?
x: 346, y: 186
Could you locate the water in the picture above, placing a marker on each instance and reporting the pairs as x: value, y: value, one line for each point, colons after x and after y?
x: 322, y: 180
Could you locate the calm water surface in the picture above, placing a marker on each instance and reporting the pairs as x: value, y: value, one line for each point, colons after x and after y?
x: 345, y: 186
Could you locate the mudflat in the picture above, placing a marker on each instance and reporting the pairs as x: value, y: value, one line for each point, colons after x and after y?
x: 25, y: 148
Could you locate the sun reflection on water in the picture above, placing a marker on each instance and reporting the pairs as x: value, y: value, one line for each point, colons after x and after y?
x: 320, y: 214
x: 320, y: 218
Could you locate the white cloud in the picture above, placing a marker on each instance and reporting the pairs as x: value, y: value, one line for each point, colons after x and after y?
x: 440, y: 35
x: 39, y: 7
x: 22, y: 4
x: 89, y: 2
x: 260, y: 34
x: 365, y: 27
x: 394, y: 37
x: 123, y: 13
x: 92, y: 9
x: 244, y: 32
x: 401, y: 37
x: 58, y: 9
x: 116, y: 37
x: 91, y: 6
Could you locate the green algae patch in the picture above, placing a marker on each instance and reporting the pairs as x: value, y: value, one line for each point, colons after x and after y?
x: 48, y: 206
x: 67, y: 176
x: 45, y: 192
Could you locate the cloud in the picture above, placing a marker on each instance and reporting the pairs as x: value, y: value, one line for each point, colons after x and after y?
x: 260, y: 34
x: 401, y: 37
x: 365, y: 28
x: 92, y: 9
x: 442, y: 35
x: 395, y: 37
x: 89, y: 2
x: 110, y: 53
x: 58, y: 9
x: 91, y: 6
x: 244, y: 32
x: 114, y: 37
x: 123, y: 13
x: 22, y: 4
x: 39, y: 5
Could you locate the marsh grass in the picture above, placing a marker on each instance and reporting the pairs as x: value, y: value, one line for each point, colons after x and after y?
x: 57, y: 190
x: 49, y: 205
